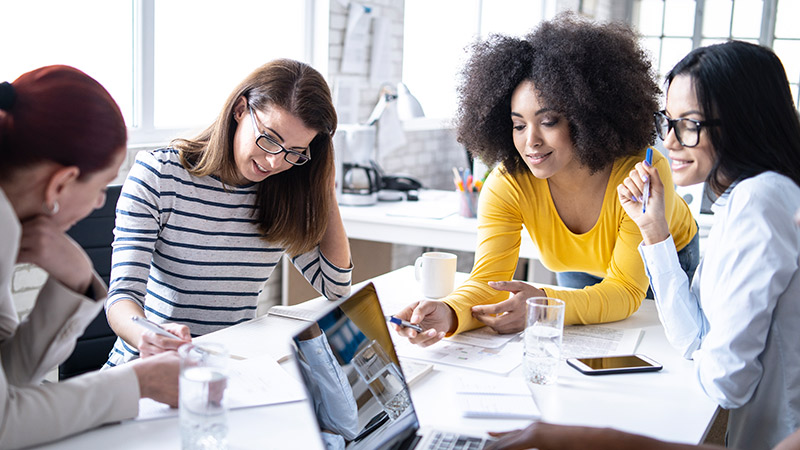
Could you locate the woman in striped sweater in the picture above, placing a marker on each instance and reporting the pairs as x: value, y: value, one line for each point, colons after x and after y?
x: 201, y: 225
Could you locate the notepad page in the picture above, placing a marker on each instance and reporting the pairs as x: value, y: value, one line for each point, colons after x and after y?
x: 492, y: 406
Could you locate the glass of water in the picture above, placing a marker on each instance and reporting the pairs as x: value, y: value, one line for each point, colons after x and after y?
x: 203, y: 410
x: 544, y: 329
x: 383, y: 378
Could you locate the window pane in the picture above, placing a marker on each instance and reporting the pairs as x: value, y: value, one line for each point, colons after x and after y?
x: 747, y: 18
x: 510, y: 16
x: 717, y: 18
x: 425, y: 47
x: 786, y: 20
x: 789, y: 53
x: 653, y: 48
x: 679, y: 18
x: 673, y: 50
x: 648, y: 16
x: 706, y: 42
x: 204, y: 48
x: 794, y: 89
x: 58, y: 32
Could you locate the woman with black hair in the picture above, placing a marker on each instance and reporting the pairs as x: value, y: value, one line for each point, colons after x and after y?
x: 565, y: 114
x: 730, y: 121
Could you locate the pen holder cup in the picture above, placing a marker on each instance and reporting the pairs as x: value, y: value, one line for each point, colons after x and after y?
x: 468, y: 204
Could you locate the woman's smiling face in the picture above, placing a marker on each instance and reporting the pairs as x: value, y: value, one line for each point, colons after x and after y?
x: 690, y: 165
x: 541, y: 135
x: 252, y: 163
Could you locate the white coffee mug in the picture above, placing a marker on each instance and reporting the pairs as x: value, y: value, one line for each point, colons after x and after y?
x: 436, y: 271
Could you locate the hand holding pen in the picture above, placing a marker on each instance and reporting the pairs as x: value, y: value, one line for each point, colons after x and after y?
x: 644, y: 184
x: 648, y: 159
x: 164, y: 337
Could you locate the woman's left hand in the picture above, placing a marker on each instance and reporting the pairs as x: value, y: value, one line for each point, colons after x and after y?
x: 507, y: 316
x: 652, y: 223
x: 45, y: 244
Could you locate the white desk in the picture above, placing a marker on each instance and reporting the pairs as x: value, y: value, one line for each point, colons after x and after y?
x: 667, y: 404
x: 420, y: 223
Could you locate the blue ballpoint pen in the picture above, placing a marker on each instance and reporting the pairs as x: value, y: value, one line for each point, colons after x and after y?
x: 404, y: 323
x: 649, y: 159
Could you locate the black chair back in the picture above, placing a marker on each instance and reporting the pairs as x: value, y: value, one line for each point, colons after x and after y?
x: 95, y: 234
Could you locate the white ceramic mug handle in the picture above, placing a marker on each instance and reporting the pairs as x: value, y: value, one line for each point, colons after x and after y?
x: 417, y: 268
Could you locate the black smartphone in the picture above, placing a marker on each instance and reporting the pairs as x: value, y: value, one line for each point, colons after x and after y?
x: 614, y: 364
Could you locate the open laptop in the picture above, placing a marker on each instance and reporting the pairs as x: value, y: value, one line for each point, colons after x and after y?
x: 348, y: 411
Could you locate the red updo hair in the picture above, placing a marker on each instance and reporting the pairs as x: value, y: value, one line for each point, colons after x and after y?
x: 59, y: 113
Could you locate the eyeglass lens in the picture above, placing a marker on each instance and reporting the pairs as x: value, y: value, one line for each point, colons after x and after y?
x: 686, y: 130
x: 273, y: 147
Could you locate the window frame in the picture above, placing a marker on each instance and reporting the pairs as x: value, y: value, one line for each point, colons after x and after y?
x: 766, y: 36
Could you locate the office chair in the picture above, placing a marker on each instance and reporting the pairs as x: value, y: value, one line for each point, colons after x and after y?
x: 94, y: 234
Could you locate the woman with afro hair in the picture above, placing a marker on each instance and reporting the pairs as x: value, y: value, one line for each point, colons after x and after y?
x: 563, y: 115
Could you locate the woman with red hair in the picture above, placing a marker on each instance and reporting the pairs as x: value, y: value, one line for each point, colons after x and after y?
x: 62, y: 140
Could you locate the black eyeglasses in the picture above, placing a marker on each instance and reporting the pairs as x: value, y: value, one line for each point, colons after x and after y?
x: 686, y: 130
x: 268, y: 144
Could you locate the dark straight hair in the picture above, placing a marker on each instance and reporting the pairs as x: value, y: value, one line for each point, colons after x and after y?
x: 745, y: 87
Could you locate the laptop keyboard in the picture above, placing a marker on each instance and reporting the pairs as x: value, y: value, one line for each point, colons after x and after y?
x: 451, y: 441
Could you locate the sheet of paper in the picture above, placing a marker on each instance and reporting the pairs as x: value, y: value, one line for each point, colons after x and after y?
x: 599, y: 340
x: 500, y: 386
x: 356, y: 39
x: 253, y: 382
x: 491, y: 406
x: 380, y: 67
x: 483, y: 337
x: 307, y: 311
x: 497, y: 360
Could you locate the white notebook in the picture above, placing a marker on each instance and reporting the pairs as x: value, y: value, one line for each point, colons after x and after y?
x: 498, y: 406
x: 503, y: 398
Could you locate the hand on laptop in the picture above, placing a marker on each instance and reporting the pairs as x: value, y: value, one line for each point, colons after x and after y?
x: 435, y: 318
x: 507, y: 316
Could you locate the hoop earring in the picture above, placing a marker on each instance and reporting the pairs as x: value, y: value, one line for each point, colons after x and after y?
x: 51, y: 211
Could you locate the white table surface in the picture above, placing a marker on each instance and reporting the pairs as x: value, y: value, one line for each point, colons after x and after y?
x: 667, y: 405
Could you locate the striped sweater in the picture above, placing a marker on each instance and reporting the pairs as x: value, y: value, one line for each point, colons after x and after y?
x: 190, y: 252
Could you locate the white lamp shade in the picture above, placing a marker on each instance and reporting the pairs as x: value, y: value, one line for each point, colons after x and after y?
x: 408, y: 106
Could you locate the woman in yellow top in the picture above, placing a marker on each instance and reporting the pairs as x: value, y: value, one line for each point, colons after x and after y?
x: 565, y: 114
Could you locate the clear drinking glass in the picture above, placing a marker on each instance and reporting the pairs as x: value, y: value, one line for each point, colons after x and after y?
x: 544, y: 329
x: 203, y: 410
x: 383, y: 378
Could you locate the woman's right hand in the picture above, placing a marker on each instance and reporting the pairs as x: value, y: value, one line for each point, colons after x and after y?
x: 45, y: 244
x: 152, y: 344
x: 652, y: 223
x: 435, y: 318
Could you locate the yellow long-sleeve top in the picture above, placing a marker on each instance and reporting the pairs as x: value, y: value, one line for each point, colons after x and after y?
x: 608, y: 250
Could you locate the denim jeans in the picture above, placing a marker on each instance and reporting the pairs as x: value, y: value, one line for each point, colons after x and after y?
x: 688, y: 256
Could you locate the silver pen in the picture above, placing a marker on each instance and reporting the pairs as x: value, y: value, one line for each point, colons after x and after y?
x: 154, y: 327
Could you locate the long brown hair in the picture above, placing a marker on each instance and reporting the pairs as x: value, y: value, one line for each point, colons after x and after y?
x: 292, y: 206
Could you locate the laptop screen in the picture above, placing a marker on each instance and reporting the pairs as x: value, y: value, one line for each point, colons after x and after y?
x: 353, y: 378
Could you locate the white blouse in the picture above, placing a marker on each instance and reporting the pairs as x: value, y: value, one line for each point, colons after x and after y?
x: 739, y: 320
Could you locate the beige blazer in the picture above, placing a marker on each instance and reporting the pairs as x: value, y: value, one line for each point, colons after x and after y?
x: 33, y: 412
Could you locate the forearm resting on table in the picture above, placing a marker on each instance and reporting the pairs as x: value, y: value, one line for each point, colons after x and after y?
x: 555, y: 437
x: 119, y: 318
